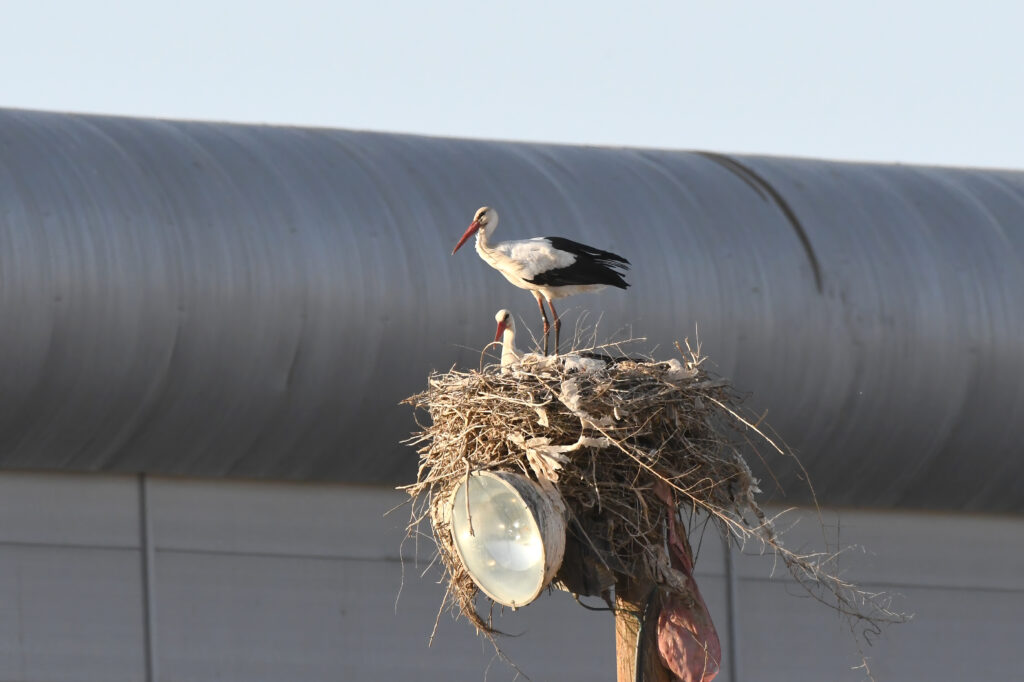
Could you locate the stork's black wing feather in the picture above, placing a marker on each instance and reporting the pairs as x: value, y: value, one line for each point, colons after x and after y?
x: 592, y: 266
x: 582, y: 250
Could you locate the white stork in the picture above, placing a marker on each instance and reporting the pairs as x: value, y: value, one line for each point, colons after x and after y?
x: 581, y: 361
x: 548, y: 267
x: 510, y: 355
x: 506, y: 333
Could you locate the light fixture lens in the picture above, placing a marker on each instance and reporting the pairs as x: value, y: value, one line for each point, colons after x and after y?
x: 505, y: 551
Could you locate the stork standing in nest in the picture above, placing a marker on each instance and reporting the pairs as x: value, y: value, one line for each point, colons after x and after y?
x: 547, y: 267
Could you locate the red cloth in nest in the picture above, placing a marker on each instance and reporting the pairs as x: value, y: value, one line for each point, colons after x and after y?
x: 687, y: 639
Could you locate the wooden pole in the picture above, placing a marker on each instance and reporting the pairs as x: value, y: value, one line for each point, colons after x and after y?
x: 631, y: 598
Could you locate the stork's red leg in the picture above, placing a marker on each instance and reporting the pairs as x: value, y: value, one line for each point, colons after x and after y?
x: 558, y: 324
x: 540, y: 304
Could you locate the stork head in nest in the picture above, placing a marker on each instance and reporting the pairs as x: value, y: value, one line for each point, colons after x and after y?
x: 505, y: 322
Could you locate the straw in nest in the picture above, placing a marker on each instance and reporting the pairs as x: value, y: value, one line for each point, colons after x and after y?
x: 610, y: 439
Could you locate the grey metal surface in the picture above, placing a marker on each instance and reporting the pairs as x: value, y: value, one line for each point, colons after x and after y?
x: 219, y: 300
x: 266, y: 581
x: 71, y: 594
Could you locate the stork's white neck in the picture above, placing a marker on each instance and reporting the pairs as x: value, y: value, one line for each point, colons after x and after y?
x: 496, y: 259
x: 509, y: 353
x: 483, y: 246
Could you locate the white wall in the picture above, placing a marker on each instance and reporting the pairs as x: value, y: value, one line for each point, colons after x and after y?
x: 296, y: 582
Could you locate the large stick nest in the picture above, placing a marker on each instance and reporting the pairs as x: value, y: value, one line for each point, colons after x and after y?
x: 610, y: 439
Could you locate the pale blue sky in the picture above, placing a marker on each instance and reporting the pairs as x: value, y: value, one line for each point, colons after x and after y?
x: 926, y: 82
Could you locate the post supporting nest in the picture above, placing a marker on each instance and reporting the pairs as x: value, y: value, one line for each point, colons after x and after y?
x: 636, y: 644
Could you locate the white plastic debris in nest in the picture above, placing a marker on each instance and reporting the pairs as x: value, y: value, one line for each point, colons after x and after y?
x: 546, y: 459
x: 534, y: 363
x: 570, y: 396
x: 578, y: 363
x: 676, y: 371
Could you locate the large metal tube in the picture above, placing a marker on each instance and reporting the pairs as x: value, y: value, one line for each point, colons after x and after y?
x: 221, y: 300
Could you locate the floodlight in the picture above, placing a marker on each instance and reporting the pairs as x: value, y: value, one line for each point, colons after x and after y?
x: 509, y: 533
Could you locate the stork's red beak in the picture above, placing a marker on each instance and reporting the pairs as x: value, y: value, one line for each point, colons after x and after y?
x: 473, y: 227
x: 501, y: 329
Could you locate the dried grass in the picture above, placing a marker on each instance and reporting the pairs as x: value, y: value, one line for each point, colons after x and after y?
x: 606, y: 439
